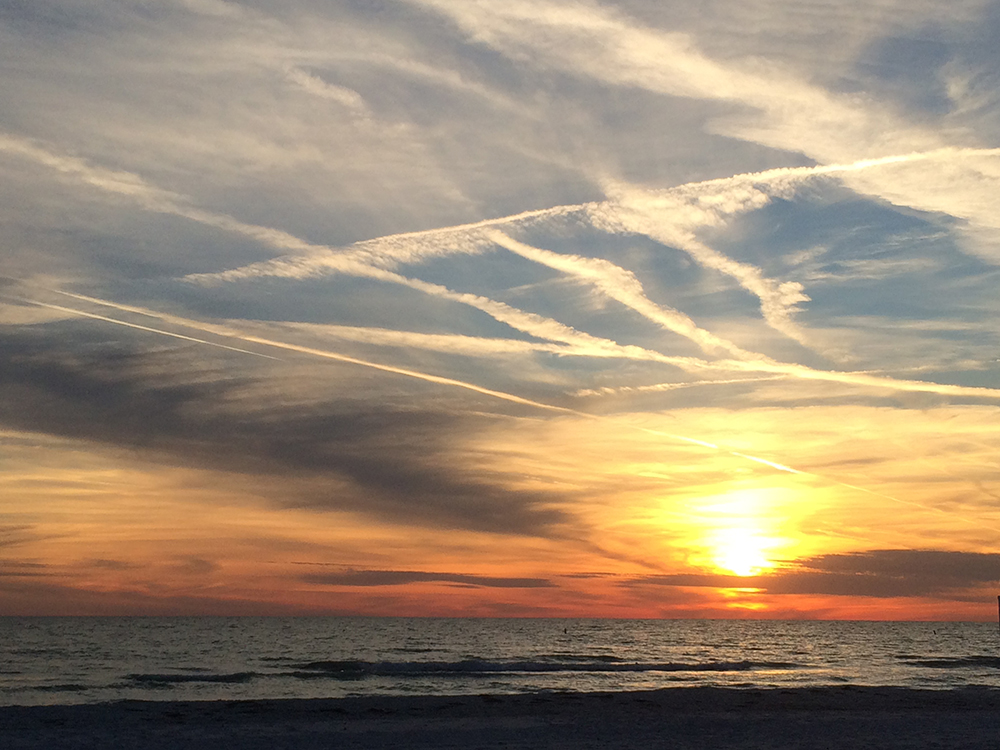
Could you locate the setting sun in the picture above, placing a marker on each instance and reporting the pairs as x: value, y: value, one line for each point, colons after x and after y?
x: 736, y: 533
x: 741, y: 552
x: 416, y: 308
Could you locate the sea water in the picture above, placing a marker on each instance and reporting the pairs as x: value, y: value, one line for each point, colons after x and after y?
x: 91, y: 659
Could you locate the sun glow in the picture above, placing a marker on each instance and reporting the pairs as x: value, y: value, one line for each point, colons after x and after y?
x: 740, y: 551
x: 740, y: 533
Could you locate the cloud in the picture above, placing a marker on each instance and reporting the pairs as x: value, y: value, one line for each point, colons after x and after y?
x: 374, y: 578
x: 782, y: 110
x: 605, y: 44
x: 842, y: 377
x: 392, y: 464
x: 206, y: 100
x: 324, y: 354
x: 214, y: 8
x: 118, y: 182
x: 29, y: 314
x: 12, y: 535
x: 196, y: 566
x: 889, y: 573
x: 106, y: 564
x: 35, y: 597
x: 585, y: 345
x: 971, y: 567
x: 357, y: 264
x: 778, y: 299
x: 660, y: 387
x: 342, y: 95
x: 624, y: 287
x: 67, y: 312
x: 16, y: 569
x: 448, y: 343
x: 369, y: 261
x: 859, y: 378
x: 874, y: 573
x: 672, y: 217
x: 569, y: 342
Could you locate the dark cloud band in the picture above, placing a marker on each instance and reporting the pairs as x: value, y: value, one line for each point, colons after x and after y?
x: 875, y: 573
x: 396, y: 464
x: 403, y: 577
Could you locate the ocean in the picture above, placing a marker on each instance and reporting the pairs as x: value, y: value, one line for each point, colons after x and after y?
x: 66, y: 660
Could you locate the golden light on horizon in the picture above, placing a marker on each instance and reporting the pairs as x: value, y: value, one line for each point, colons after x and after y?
x: 740, y: 551
x: 737, y: 533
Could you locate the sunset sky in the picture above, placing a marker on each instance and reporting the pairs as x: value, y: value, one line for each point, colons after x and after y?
x: 640, y: 308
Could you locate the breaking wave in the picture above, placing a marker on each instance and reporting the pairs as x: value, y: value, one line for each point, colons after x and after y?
x: 472, y: 668
x: 963, y: 662
x: 171, y: 679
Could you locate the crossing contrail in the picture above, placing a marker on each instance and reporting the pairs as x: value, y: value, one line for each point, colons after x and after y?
x: 450, y: 382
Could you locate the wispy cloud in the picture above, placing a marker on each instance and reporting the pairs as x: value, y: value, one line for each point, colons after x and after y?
x: 784, y: 111
x: 385, y: 463
x: 358, y: 264
x: 760, y: 364
x: 510, y: 281
x: 249, y: 338
x: 605, y: 44
x: 624, y: 287
x: 672, y: 217
x: 873, y: 573
x: 509, y: 397
x: 367, y: 578
x: 661, y: 387
x: 348, y: 98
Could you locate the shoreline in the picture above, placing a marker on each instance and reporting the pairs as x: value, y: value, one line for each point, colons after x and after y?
x: 682, y: 717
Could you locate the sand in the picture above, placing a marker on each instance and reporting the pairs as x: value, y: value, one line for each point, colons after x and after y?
x: 679, y: 718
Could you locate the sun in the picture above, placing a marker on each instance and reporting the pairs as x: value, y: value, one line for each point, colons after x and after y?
x: 740, y: 533
x: 740, y: 551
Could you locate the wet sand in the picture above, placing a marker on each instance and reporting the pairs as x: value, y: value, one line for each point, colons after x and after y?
x: 679, y: 718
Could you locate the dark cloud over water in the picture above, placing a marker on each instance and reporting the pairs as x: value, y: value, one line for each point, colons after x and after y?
x: 396, y: 464
x: 874, y: 573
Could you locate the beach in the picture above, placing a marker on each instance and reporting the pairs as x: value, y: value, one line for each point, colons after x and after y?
x: 680, y: 718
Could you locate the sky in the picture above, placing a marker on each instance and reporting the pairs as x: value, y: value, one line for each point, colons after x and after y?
x: 643, y: 308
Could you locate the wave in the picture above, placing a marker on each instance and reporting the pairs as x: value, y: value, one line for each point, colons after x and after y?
x: 465, y: 669
x: 572, y: 657
x: 354, y: 670
x: 961, y: 662
x: 67, y: 688
x: 170, y: 679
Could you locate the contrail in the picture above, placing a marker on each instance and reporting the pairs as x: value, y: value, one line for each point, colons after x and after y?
x: 95, y: 316
x: 154, y: 199
x: 576, y: 342
x: 657, y: 387
x: 911, y: 503
x: 622, y: 286
x: 772, y: 464
x: 764, y: 364
x: 502, y: 395
x: 308, y: 262
x: 407, y: 372
x: 251, y: 339
x: 157, y: 200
